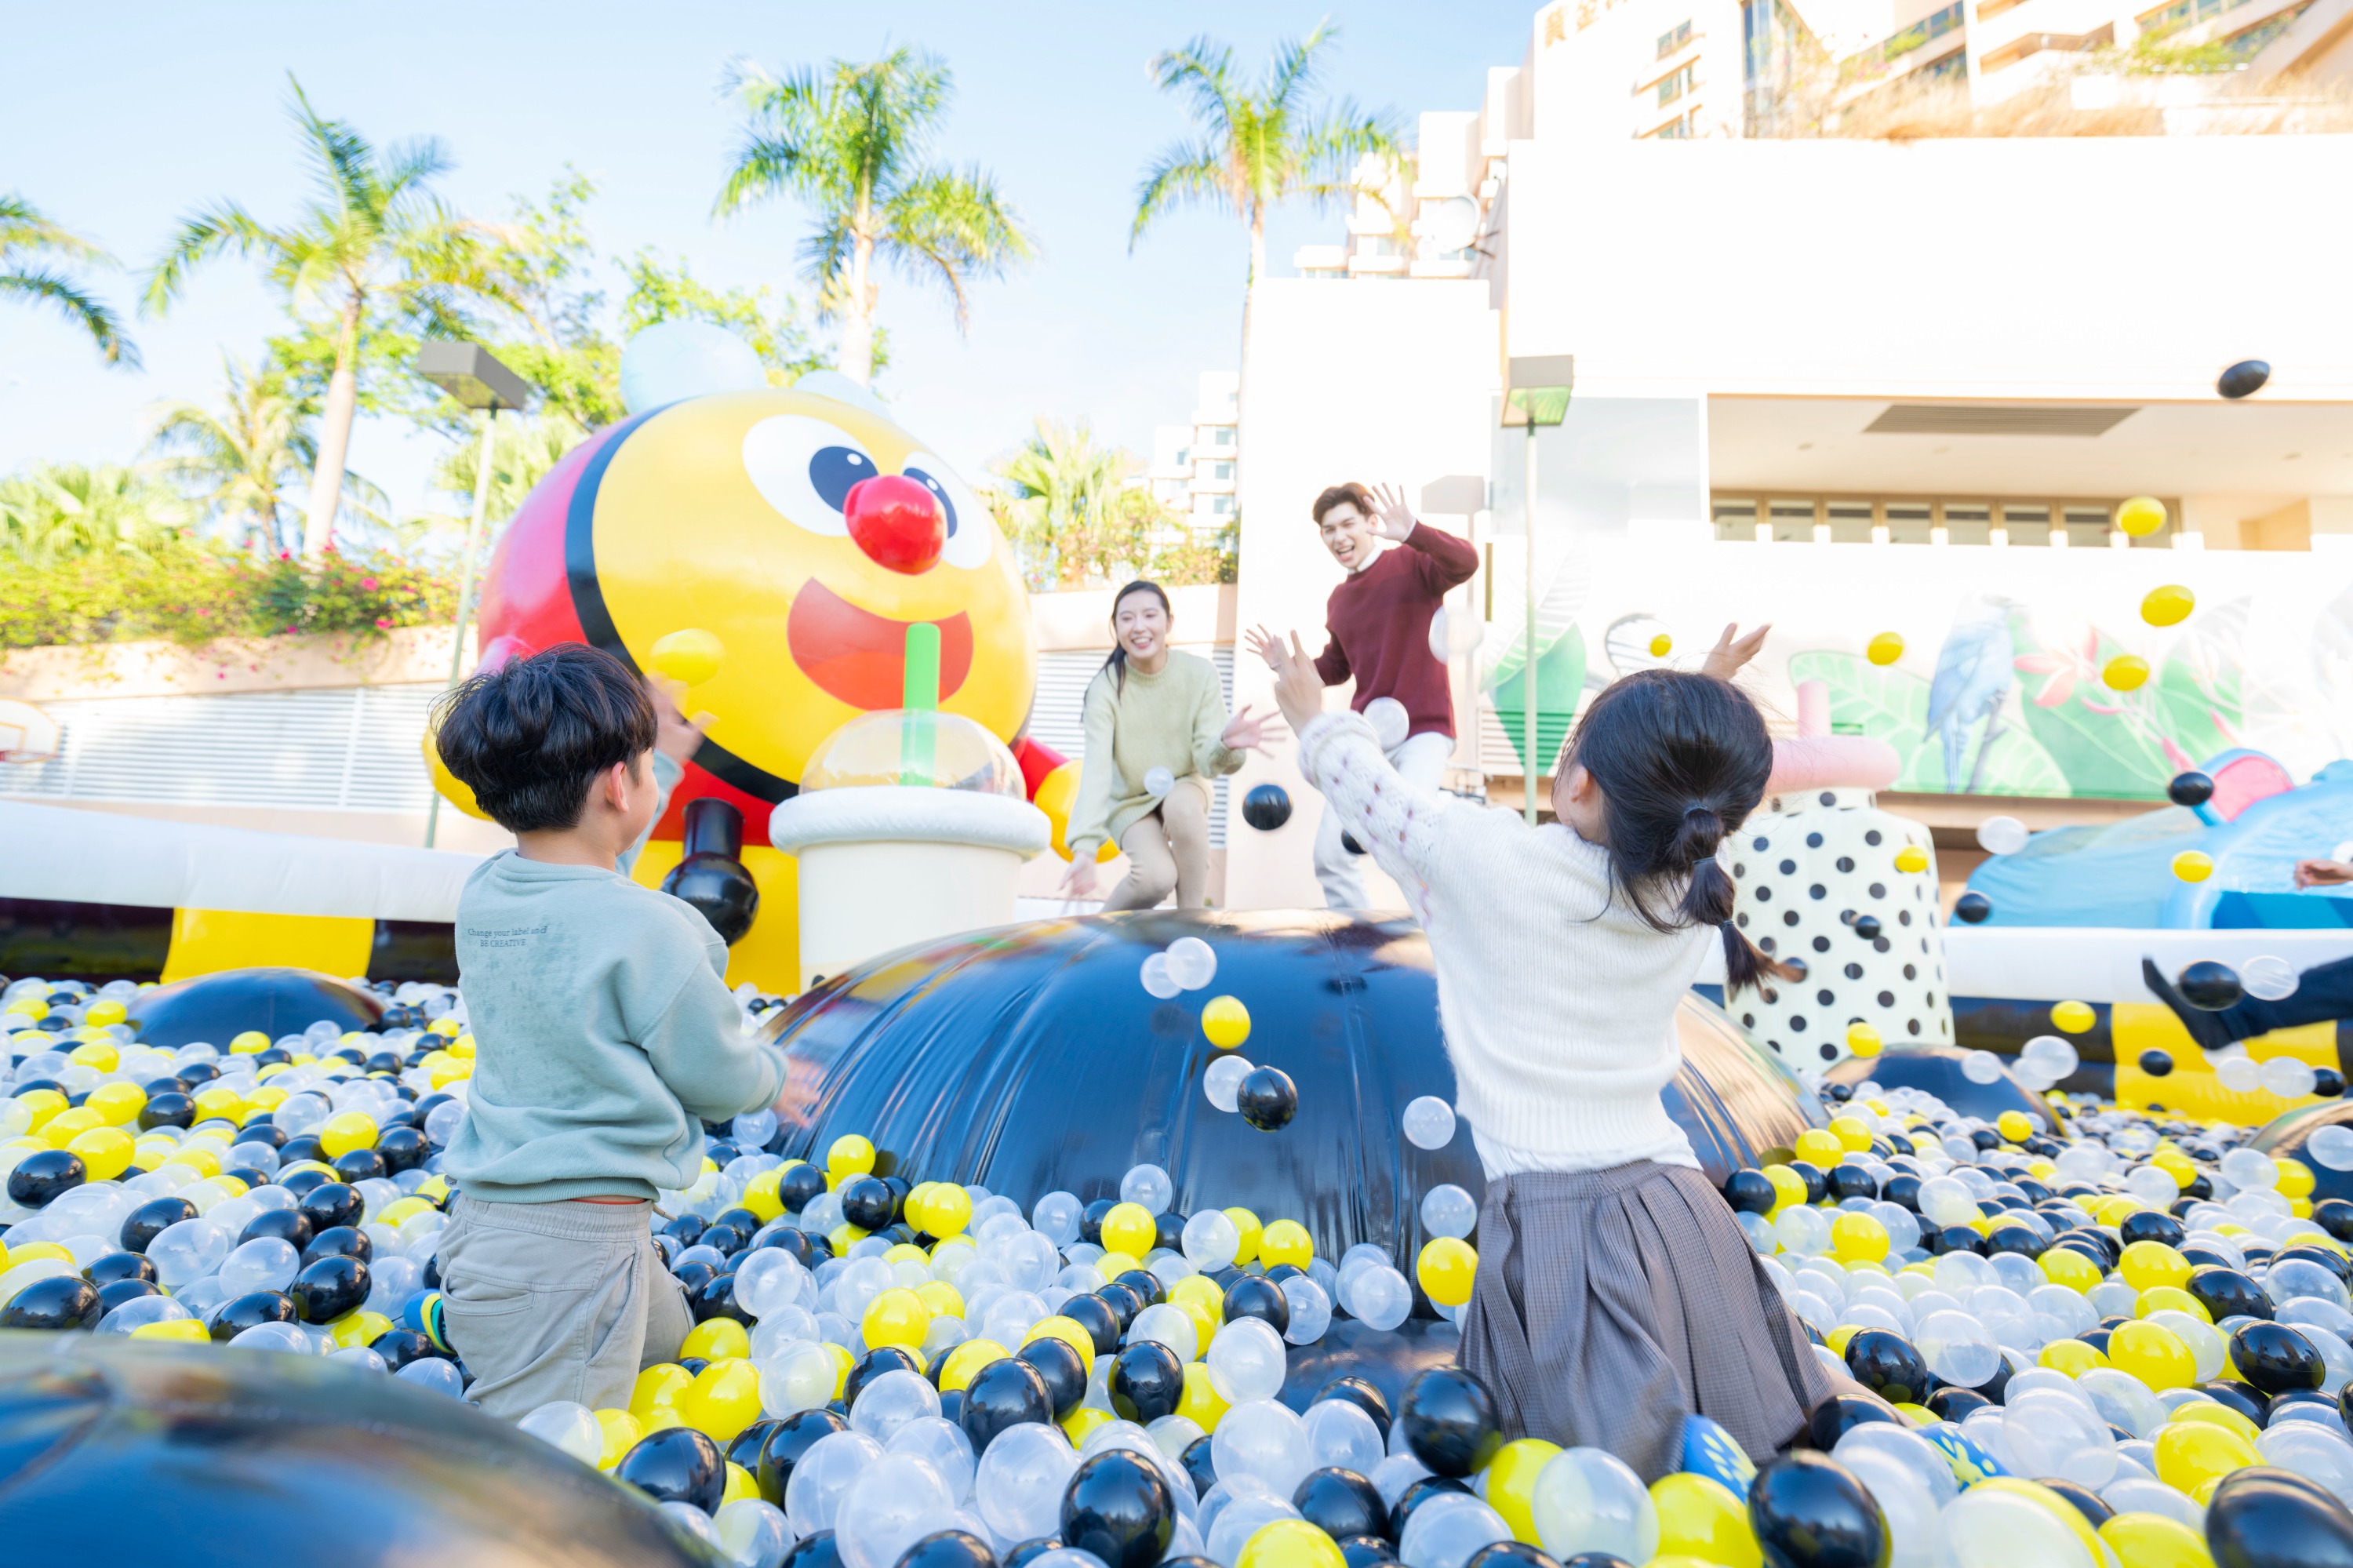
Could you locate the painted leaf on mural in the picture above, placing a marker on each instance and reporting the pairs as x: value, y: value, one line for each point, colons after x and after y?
x: 2127, y: 745
x: 1560, y: 683
x: 1892, y: 704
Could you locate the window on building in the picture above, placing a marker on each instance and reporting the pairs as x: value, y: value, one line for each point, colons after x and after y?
x: 1222, y: 436
x: 1793, y: 520
x: 1678, y: 129
x: 1850, y: 522
x: 1222, y: 471
x: 1735, y: 517
x: 1969, y: 522
x: 1908, y: 522
x: 1675, y: 83
x: 1221, y: 506
x: 1674, y: 40
x: 2087, y: 526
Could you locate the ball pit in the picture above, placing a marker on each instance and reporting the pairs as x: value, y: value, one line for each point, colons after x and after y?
x: 2082, y: 1335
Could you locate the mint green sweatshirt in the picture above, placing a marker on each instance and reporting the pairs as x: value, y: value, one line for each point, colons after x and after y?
x: 602, y: 1033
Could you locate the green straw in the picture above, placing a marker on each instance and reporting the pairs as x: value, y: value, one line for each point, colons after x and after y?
x: 920, y: 695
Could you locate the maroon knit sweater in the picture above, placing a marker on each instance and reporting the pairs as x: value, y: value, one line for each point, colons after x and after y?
x: 1380, y: 621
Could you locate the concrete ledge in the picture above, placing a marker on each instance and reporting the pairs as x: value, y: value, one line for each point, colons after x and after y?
x: 407, y: 655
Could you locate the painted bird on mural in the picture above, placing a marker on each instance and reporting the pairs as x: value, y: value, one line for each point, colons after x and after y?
x: 1974, y: 678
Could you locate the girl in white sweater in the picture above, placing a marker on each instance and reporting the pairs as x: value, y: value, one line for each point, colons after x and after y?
x: 1615, y: 1294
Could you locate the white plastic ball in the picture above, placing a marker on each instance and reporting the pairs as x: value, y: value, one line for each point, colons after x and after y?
x: 2002, y: 835
x: 1246, y: 1361
x: 754, y: 1533
x: 822, y: 1479
x: 1390, y: 721
x: 1588, y: 1500
x: 569, y: 1427
x: 1981, y: 1067
x: 1262, y: 1438
x: 1056, y: 1217
x: 1020, y: 1479
x: 2331, y: 1145
x: 2268, y: 978
x: 894, y: 1503
x: 1149, y: 1186
x: 891, y: 1401
x: 2286, y: 1077
x: 1380, y: 1296
x: 1192, y: 962
x: 1427, y: 1122
x: 1311, y: 1309
x: 1157, y: 979
x: 1211, y: 1241
x: 1338, y: 1434
x: 1222, y: 1082
x: 1447, y: 1531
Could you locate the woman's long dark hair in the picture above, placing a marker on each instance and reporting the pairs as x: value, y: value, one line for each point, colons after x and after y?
x: 1681, y: 759
x: 1117, y: 662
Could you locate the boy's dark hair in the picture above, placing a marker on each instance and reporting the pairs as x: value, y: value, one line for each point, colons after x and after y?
x: 1681, y: 759
x: 529, y: 736
x: 1352, y: 494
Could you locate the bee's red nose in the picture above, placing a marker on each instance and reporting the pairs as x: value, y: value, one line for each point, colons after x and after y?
x: 897, y: 522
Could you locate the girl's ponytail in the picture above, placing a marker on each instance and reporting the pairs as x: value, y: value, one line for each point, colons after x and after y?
x: 1708, y: 899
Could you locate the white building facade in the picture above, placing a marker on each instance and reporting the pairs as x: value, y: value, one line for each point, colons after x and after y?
x: 1194, y: 464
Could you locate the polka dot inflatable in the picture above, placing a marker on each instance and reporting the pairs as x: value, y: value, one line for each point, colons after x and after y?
x: 1830, y: 884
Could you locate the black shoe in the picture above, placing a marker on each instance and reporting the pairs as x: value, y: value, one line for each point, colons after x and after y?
x: 2205, y: 1028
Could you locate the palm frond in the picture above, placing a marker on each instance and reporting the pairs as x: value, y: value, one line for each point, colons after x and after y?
x: 1295, y: 68
x: 24, y: 226
x: 77, y: 305
x: 1203, y: 69
x: 1184, y: 173
x: 222, y: 228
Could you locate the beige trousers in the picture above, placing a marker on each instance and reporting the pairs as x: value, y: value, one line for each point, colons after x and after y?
x: 1168, y: 852
x: 547, y: 1301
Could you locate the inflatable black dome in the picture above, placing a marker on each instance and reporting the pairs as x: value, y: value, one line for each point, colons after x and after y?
x: 113, y: 1450
x: 1032, y: 1058
x: 2289, y: 1137
x: 218, y: 1008
x: 1936, y: 1070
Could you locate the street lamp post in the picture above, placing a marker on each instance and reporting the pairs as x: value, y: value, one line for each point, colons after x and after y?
x: 472, y: 374
x: 1535, y: 398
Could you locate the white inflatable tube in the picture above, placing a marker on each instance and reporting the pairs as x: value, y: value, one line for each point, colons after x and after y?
x: 99, y: 858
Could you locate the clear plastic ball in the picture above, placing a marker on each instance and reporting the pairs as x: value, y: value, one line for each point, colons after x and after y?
x: 1231, y: 1527
x: 1211, y: 1241
x: 1246, y: 1361
x: 1957, y: 1348
x: 1380, y: 1296
x: 1449, y: 1211
x: 1149, y: 1186
x: 1311, y: 1309
x: 265, y: 1262
x: 2331, y: 1145
x: 691, y: 1520
x: 1447, y: 1531
x: 2238, y: 1073
x: 1987, y: 1529
x: 1427, y: 1122
x: 890, y: 1402
x: 569, y: 1427
x: 1904, y: 1502
x: 141, y: 1311
x: 1264, y: 1439
x: 764, y: 1287
x: 1587, y: 1499
x: 1056, y: 1217
x: 2002, y: 835
x: 1222, y: 1083
x: 431, y: 1371
x: 1016, y: 1312
x: 799, y: 1377
x: 1922, y: 1459
x: 2268, y: 978
x: 2250, y: 1168
x: 823, y: 1477
x: 1802, y: 1230
x: 1163, y: 1324
x: 1982, y: 1067
x: 2286, y: 1077
x: 1338, y: 1434
x: 895, y: 1502
x: 187, y: 1251
x: 1157, y: 980
x: 1020, y: 1482
x: 2053, y: 1435
x: 752, y: 1533
x: 1192, y: 962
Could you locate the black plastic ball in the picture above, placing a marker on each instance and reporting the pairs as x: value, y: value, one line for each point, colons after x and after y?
x: 2265, y: 1517
x: 357, y: 1165
x: 1267, y: 1099
x: 1972, y: 908
x: 1362, y: 1393
x: 1025, y: 1552
x: 815, y: 1550
x: 2149, y: 1225
x: 1851, y: 1182
x: 45, y: 1175
x: 879, y: 1361
x: 1267, y: 806
x: 1341, y: 1503
x: 2328, y: 1082
x: 1868, y: 927
x: 2210, y: 987
x: 1817, y: 1180
x: 1118, y: 1506
x: 867, y: 1203
x: 234, y: 1317
x: 170, y: 1109
x: 2087, y: 1502
x: 59, y: 1301
x: 333, y: 1204
x: 1001, y: 1394
x: 1059, y: 1365
x: 152, y: 1219
x: 787, y: 1442
x: 2243, y: 379
x: 2248, y: 1401
x: 942, y: 1548
x: 2157, y: 1064
x: 1090, y: 1219
x: 1253, y: 1297
x: 1949, y: 1404
x: 398, y: 1347
x: 1751, y: 1192
x: 105, y: 1270
x: 716, y: 1297
x: 1510, y: 1554
x: 1366, y: 1551
x: 1414, y: 1495
x: 1093, y: 1314
x: 1147, y: 1381
x: 2190, y: 788
x: 1145, y: 1286
x: 798, y: 1184
x: 1348, y: 842
x: 1810, y: 1511
x: 2275, y: 1357
x: 340, y: 1241
x: 111, y: 1295
x: 677, y: 1464
x: 1834, y: 1417
x: 1449, y: 1420
x: 1199, y: 1461
x: 330, y: 1287
x: 1887, y: 1365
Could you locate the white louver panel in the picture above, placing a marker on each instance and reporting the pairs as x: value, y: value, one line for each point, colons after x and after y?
x: 351, y: 748
x: 1056, y: 713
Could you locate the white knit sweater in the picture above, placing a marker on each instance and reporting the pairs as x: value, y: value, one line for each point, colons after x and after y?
x: 1557, y: 1000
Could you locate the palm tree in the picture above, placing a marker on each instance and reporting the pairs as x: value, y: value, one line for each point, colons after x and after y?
x: 66, y: 510
x: 1063, y: 512
x: 240, y: 457
x: 31, y: 248
x: 1257, y: 147
x: 373, y: 247
x: 854, y: 146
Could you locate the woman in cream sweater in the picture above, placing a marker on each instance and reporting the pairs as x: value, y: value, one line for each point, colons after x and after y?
x: 1156, y: 734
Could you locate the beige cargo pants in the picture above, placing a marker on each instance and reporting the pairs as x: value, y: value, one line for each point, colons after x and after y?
x: 548, y: 1301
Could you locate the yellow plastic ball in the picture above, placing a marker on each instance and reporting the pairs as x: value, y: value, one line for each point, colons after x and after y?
x: 622, y: 1432
x: 1130, y: 1228
x: 1292, y: 1543
x: 2167, y: 606
x: 947, y: 1211
x: 2191, y: 1452
x: 1788, y: 1187
x: 2072, y: 1357
x: 106, y: 1010
x: 1884, y: 648
x: 1066, y: 1329
x: 2193, y: 865
x: 2170, y: 1299
x: 359, y: 1328
x: 2154, y: 1354
x: 1446, y: 1268
x: 1863, y: 1040
x: 965, y: 1360
x: 2073, y: 1017
x: 1201, y: 1403
x: 45, y: 1104
x: 716, y: 1339
x: 2176, y: 1164
x: 2223, y: 1415
x: 204, y: 1162
x: 1083, y: 1421
x: 659, y: 1384
x: 251, y: 1043
x: 1852, y: 1132
x: 1701, y: 1517
x: 2295, y: 1179
x: 1226, y: 1022
x: 1202, y: 1288
x: 99, y: 1055
x: 1115, y: 1262
x: 690, y: 655
x: 842, y: 1237
x: 1247, y: 1223
x: 760, y: 1196
x: 897, y: 1318
x: 189, y: 1329
x: 2052, y: 1503
x: 1820, y: 1146
x: 345, y: 1131
x: 67, y: 1125
x: 2155, y: 1540
x: 2065, y: 1266
x: 1857, y: 1238
x: 1286, y: 1241
x: 849, y: 1156
x: 741, y: 1484
x: 2013, y: 1127
x: 2141, y: 516
x: 1912, y: 859
x: 723, y: 1400
x: 1662, y: 645
x: 945, y: 1299
x: 106, y: 1151
x: 462, y: 1046
x: 1512, y: 1484
x: 118, y: 1103
x: 2125, y: 673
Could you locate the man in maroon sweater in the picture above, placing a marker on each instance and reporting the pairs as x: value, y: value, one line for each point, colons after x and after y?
x: 1379, y: 619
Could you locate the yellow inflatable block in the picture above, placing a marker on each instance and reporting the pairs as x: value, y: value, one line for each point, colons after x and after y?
x: 2191, y: 1088
x: 206, y: 941
x: 769, y: 956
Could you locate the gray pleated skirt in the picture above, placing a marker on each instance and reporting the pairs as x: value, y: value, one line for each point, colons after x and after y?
x: 1611, y: 1303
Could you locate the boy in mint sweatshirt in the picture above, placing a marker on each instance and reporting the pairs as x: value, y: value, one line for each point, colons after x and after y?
x: 603, y: 1038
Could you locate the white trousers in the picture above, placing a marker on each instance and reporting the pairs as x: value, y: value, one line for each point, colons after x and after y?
x: 1420, y: 760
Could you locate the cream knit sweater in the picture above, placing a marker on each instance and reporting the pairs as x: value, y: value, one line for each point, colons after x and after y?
x: 1557, y: 1002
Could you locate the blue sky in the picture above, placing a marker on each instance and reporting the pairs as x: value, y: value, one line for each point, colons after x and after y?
x: 121, y: 118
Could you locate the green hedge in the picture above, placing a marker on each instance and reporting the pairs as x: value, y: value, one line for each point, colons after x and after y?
x: 188, y: 592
